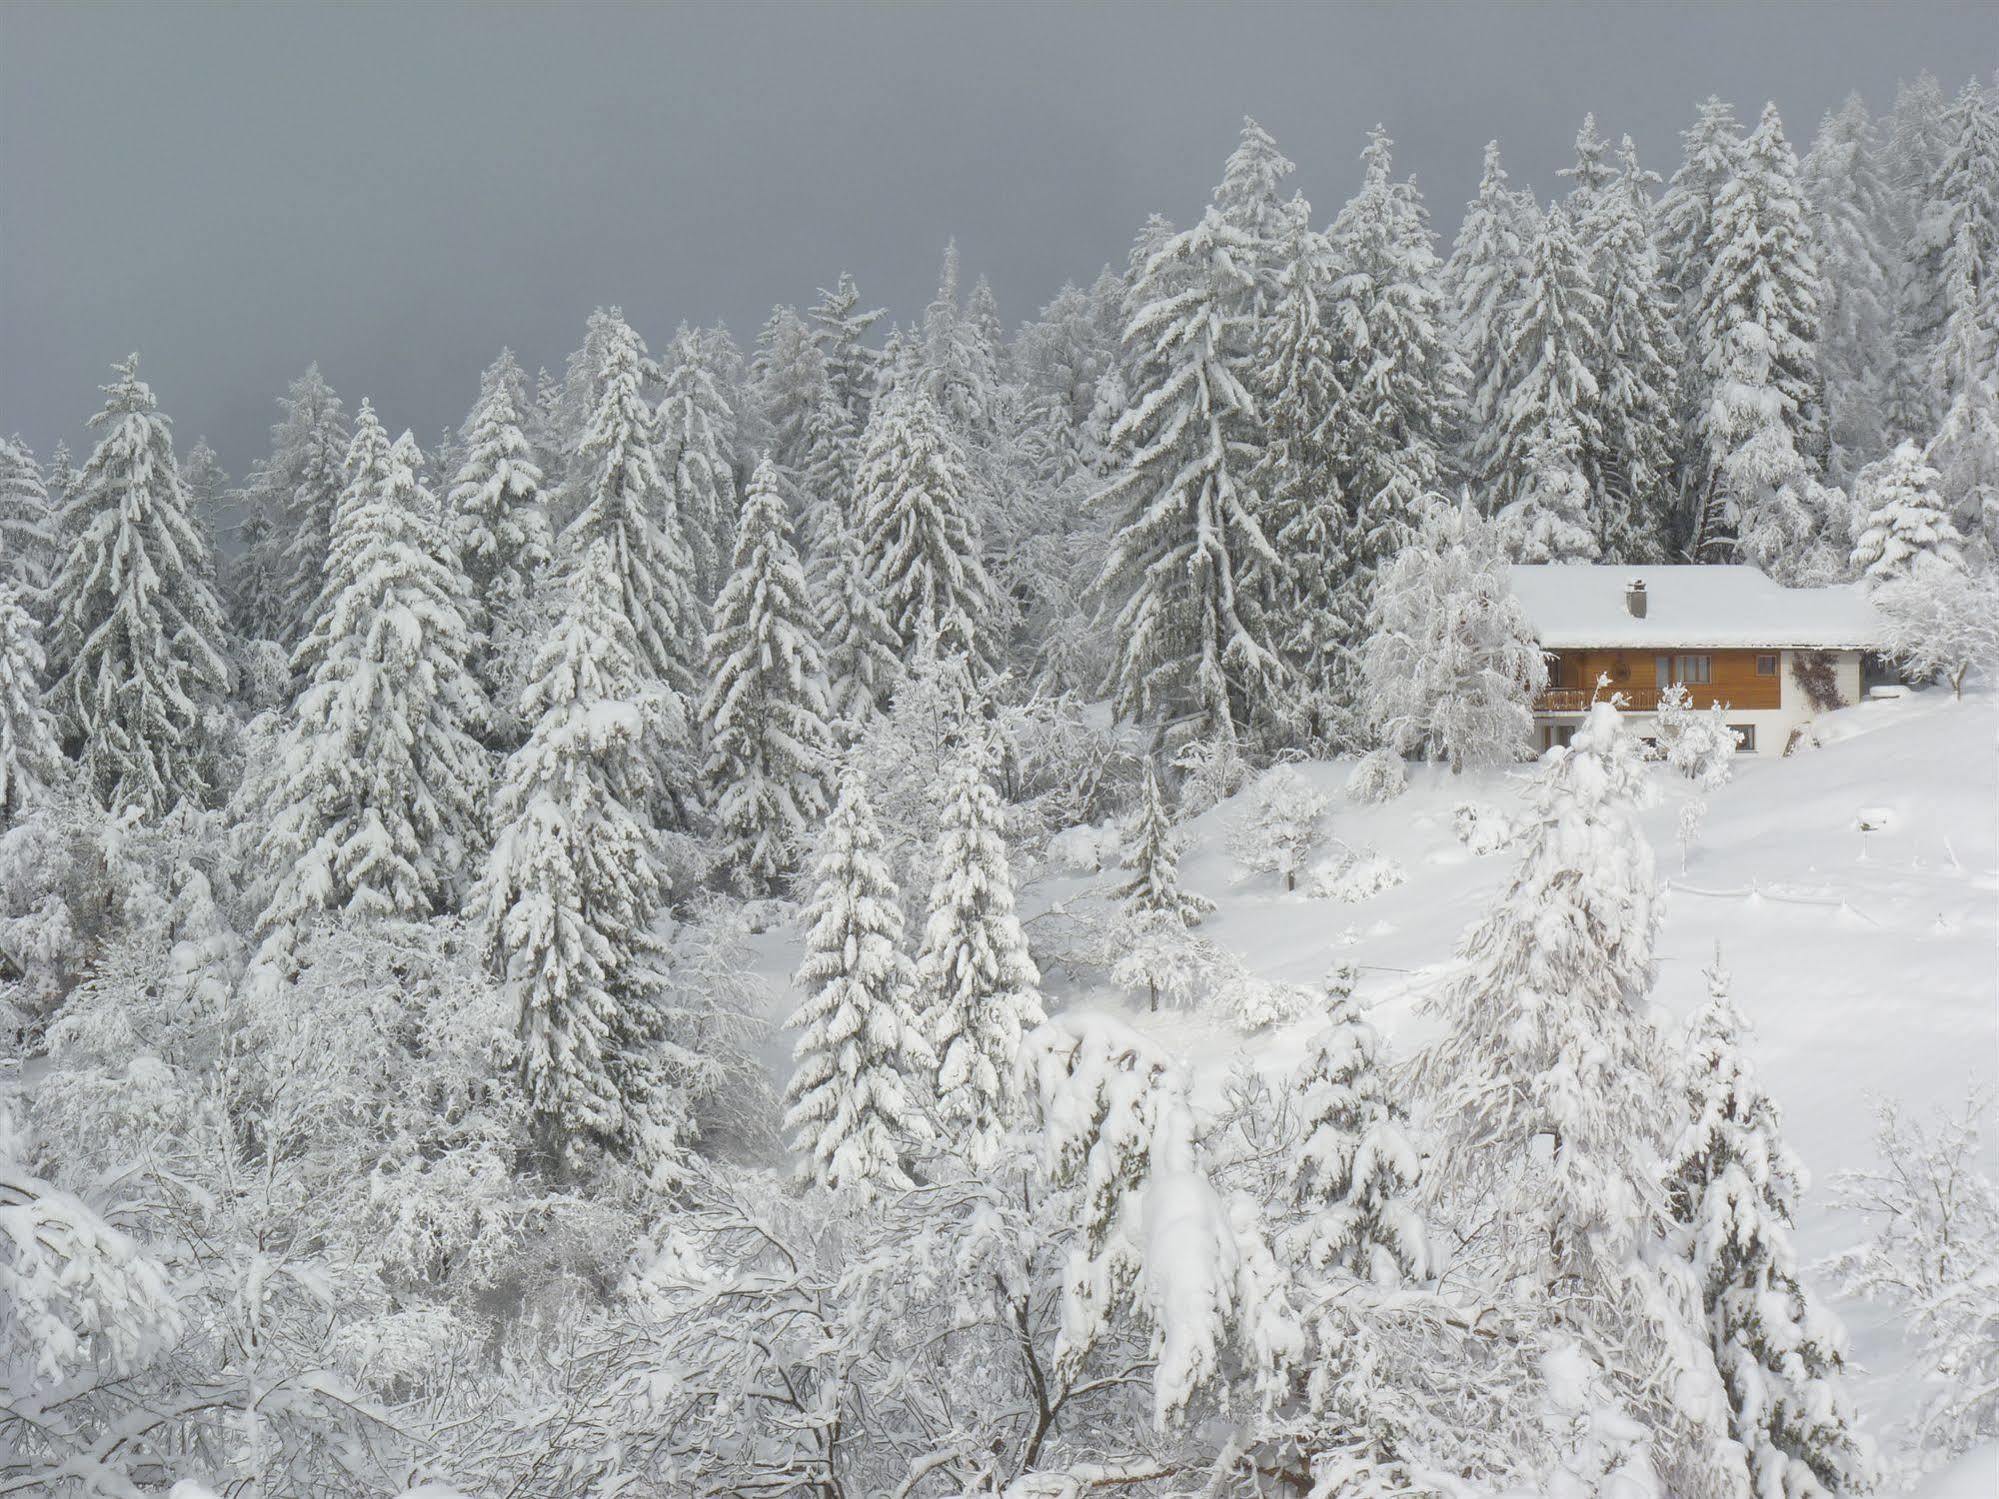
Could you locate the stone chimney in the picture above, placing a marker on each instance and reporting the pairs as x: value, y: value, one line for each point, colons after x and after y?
x: 1634, y: 597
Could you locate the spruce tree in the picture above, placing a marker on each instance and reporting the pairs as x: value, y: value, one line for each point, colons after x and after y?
x: 30, y: 551
x: 363, y: 471
x: 951, y: 367
x: 1965, y: 450
x: 1638, y: 358
x: 383, y: 785
x: 30, y: 760
x: 917, y: 534
x: 498, y: 508
x: 859, y: 643
x: 854, y: 1104
x: 1733, y: 1188
x: 1552, y: 517
x: 572, y: 887
x: 1191, y: 576
x: 1484, y: 279
x: 1251, y: 200
x: 698, y: 437
x: 764, y: 714
x: 840, y: 331
x: 625, y: 499
x: 137, y: 637
x: 1913, y: 147
x: 1907, y: 532
x: 1957, y: 233
x: 298, y: 488
x: 1154, y: 884
x: 979, y: 986
x: 789, y: 376
x: 1592, y: 173
x: 207, y: 488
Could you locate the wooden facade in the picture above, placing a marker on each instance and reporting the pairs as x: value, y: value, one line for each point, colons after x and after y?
x: 1745, y: 680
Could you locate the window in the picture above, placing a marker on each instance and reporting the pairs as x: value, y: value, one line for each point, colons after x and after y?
x: 1745, y: 736
x: 1766, y: 665
x: 1558, y: 735
x: 1694, y: 671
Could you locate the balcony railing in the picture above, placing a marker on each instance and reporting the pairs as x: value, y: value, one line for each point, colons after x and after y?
x: 1577, y: 699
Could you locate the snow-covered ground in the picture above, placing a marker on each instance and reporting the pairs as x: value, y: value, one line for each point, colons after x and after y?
x: 1868, y: 960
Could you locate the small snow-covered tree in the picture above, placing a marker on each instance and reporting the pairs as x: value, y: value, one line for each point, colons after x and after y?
x: 1190, y: 574
x: 30, y: 552
x: 1906, y: 533
x: 1154, y: 861
x: 789, y: 380
x: 979, y: 987
x: 1733, y: 1188
x: 573, y: 885
x: 698, y: 437
x: 1280, y: 827
x: 381, y: 805
x: 1356, y: 1172
x: 1943, y: 625
x: 296, y: 490
x: 30, y: 760
x: 763, y: 717
x: 916, y: 531
x: 857, y: 640
x: 1451, y: 665
x: 136, y: 645
x: 859, y: 1081
x: 1701, y: 747
x: 499, y: 517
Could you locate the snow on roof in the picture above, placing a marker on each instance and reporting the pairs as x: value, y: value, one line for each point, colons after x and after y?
x: 1573, y: 605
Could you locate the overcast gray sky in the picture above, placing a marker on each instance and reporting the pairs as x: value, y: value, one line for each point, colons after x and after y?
x: 397, y: 191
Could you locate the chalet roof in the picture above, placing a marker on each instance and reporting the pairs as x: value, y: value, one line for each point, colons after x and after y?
x: 1576, y: 605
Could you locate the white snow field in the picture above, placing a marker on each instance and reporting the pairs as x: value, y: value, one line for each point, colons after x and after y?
x: 1868, y: 961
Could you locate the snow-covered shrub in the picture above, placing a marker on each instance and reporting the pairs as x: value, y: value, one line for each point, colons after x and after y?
x: 1944, y: 626
x: 1066, y: 767
x: 1699, y: 745
x: 1481, y: 828
x: 1283, y: 821
x: 1089, y: 848
x: 1211, y: 771
x: 1256, y: 1003
x: 1381, y: 775
x: 263, y: 675
x: 1355, y: 876
x: 1161, y: 959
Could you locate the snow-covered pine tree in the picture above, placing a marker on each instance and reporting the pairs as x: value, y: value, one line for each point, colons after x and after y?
x: 1956, y: 234
x: 1403, y: 382
x: 138, y: 634
x: 859, y: 642
x: 1552, y: 332
x: 625, y: 499
x: 572, y: 887
x: 1638, y: 359
x: 979, y: 987
x: 1914, y: 140
x: 1551, y: 517
x: 948, y: 361
x: 1154, y: 864
x: 582, y: 387
x: 383, y: 792
x: 698, y: 440
x: 841, y: 332
x: 1852, y: 217
x: 30, y: 760
x: 1733, y: 1188
x: 859, y: 1081
x: 1592, y: 173
x: 298, y: 486
x: 1451, y: 666
x: 1551, y: 1092
x: 1297, y: 481
x: 1906, y: 532
x: 1356, y: 1171
x: 207, y: 487
x: 1250, y: 199
x: 763, y: 717
x: 788, y: 373
x: 1756, y: 333
x: 1191, y: 576
x: 30, y: 551
x: 1483, y: 279
x: 363, y: 470
x: 916, y: 531
x: 1965, y: 450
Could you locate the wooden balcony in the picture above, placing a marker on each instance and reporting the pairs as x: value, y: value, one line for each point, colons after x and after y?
x: 1577, y: 699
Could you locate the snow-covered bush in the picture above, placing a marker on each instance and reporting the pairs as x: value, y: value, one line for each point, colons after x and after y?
x: 1089, y: 848
x: 1356, y: 875
x: 1380, y: 775
x: 1481, y: 828
x: 1282, y: 823
x: 1699, y: 745
x: 1159, y: 958
x: 1211, y: 771
x: 1256, y: 1003
x: 1943, y: 626
x: 263, y: 675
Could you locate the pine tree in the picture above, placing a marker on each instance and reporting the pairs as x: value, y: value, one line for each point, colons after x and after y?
x: 860, y: 643
x: 850, y: 364
x: 1552, y: 517
x: 626, y: 501
x: 789, y: 376
x: 949, y: 364
x: 298, y: 488
x: 383, y: 784
x: 1154, y: 886
x: 1956, y: 234
x: 1638, y: 357
x: 207, y: 488
x: 1965, y: 450
x: 1550, y: 413
x: 30, y: 760
x: 1403, y: 380
x: 30, y: 551
x: 854, y: 1101
x: 1915, y: 141
x: 138, y: 634
x: 764, y: 715
x: 1550, y: 1092
x: 498, y: 510
x: 917, y: 534
x: 1592, y: 174
x: 572, y: 886
x: 1852, y: 217
x: 363, y: 471
x: 1251, y: 200
x: 1733, y: 1188
x: 1756, y: 331
x: 1484, y: 279
x: 698, y: 436
x: 1356, y: 1170
x: 1191, y: 575
x: 1907, y: 532
x: 979, y: 986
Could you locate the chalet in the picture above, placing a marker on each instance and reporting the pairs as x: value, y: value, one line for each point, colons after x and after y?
x: 1774, y: 657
